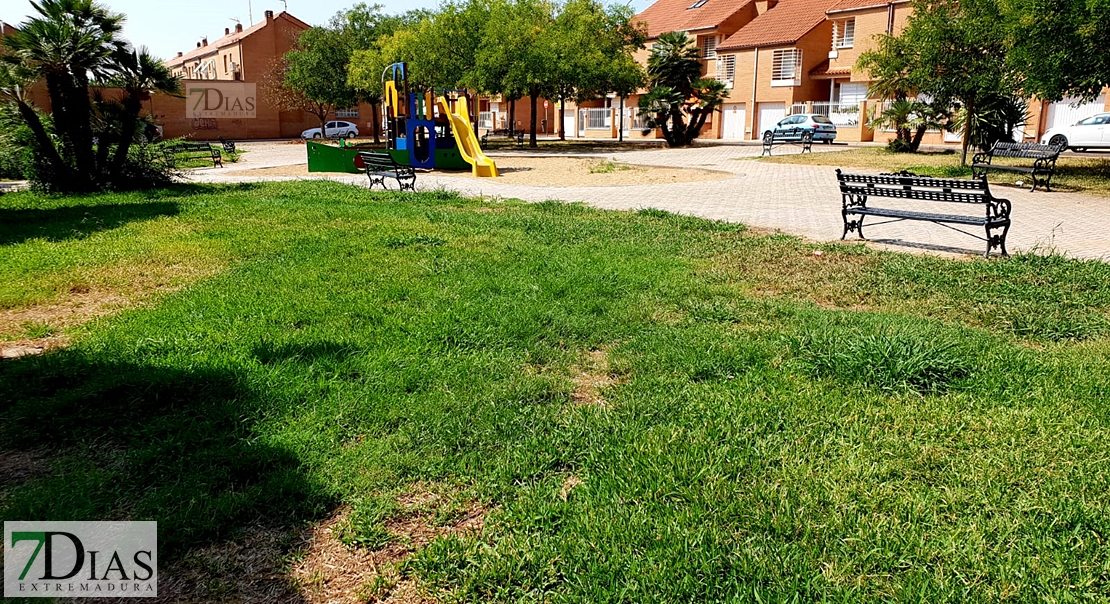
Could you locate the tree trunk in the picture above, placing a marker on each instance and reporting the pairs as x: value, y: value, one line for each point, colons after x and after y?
x: 132, y: 105
x: 533, y: 95
x: 620, y: 123
x: 918, y: 136
x: 46, y: 149
x: 512, y: 115
x: 562, y: 119
x: 966, y: 142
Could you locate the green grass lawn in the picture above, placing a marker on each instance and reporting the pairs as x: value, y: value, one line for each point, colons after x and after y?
x: 1078, y: 174
x: 652, y: 408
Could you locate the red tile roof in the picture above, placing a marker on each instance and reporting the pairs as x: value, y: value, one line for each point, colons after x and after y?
x: 676, y: 15
x: 823, y: 71
x: 228, y: 40
x: 845, y: 5
x: 786, y: 23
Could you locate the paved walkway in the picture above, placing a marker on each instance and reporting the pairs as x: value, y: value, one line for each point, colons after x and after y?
x: 794, y: 199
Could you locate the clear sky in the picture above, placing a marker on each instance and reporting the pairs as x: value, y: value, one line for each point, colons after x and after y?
x: 169, y: 26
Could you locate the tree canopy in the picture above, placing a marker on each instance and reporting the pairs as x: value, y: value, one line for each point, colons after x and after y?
x: 679, y: 100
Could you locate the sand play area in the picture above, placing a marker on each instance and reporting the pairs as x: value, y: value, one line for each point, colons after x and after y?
x: 557, y: 172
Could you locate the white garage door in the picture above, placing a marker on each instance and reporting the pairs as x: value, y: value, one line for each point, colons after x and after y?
x: 769, y: 115
x: 568, y: 124
x: 733, y: 118
x: 1070, y: 111
x: 853, y: 94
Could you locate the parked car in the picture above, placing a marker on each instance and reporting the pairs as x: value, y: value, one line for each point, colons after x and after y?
x: 803, y: 125
x: 335, y: 130
x: 1091, y: 132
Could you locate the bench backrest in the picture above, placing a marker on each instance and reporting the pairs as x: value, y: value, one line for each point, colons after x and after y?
x: 1026, y: 150
x: 911, y: 186
x: 374, y: 160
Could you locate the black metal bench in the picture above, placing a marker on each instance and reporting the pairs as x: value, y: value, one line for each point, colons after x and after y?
x: 1044, y: 161
x: 857, y: 189
x: 772, y: 138
x: 228, y: 146
x: 188, y: 151
x: 519, y: 136
x: 380, y: 166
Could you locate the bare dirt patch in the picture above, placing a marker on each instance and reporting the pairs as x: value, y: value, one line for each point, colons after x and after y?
x: 331, y: 572
x: 313, y: 566
x: 592, y: 376
x: 555, y: 172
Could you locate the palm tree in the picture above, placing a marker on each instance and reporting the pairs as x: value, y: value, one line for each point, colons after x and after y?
x: 677, y: 91
x: 15, y: 79
x: 67, y: 44
x: 138, y: 74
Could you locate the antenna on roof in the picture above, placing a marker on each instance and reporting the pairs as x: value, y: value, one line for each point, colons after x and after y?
x: 286, y: 3
x: 250, y: 12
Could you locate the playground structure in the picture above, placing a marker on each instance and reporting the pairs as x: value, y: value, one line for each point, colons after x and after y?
x: 434, y: 133
x: 429, y: 130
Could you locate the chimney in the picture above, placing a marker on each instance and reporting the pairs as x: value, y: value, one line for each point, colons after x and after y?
x: 227, y: 31
x: 179, y: 53
x: 269, y: 15
x: 238, y: 28
x: 204, y: 41
x: 198, y: 44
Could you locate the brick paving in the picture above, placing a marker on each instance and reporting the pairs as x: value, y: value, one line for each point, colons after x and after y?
x: 793, y: 199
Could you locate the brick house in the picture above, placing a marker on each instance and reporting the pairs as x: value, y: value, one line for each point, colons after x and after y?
x: 707, y: 22
x: 245, y: 55
x: 773, y: 56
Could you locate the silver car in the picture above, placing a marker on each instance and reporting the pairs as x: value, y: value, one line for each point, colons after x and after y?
x: 335, y: 130
x: 811, y: 126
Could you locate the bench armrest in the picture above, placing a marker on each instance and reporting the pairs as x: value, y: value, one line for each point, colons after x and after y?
x: 982, y: 158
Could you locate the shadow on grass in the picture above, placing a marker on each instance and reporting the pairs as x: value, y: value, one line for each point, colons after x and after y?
x: 75, y: 222
x: 144, y: 442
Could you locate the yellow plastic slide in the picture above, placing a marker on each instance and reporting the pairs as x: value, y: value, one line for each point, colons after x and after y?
x: 465, y: 138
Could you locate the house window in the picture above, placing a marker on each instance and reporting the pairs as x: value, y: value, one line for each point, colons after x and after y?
x: 350, y: 112
x: 225, y: 63
x: 709, y: 47
x: 698, y: 4
x: 844, y: 33
x: 786, y: 67
x: 726, y: 69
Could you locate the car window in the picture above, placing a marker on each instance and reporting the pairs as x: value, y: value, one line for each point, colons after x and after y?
x: 1103, y: 119
x: 820, y: 119
x: 331, y: 125
x: 1093, y: 120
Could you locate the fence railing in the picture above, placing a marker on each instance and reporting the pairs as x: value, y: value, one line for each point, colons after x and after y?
x: 485, y: 119
x: 841, y: 114
x: 599, y: 119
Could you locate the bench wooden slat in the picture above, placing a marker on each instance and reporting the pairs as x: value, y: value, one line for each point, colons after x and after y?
x: 858, y: 189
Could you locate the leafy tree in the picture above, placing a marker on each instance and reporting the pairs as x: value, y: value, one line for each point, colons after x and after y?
x: 519, y: 40
x: 365, y: 27
x: 1061, y: 47
x: 679, y: 100
x: 593, y: 46
x: 953, y: 51
x: 315, y: 74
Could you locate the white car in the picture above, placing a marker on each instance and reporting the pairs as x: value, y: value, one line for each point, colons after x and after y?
x: 1091, y: 132
x: 335, y: 130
